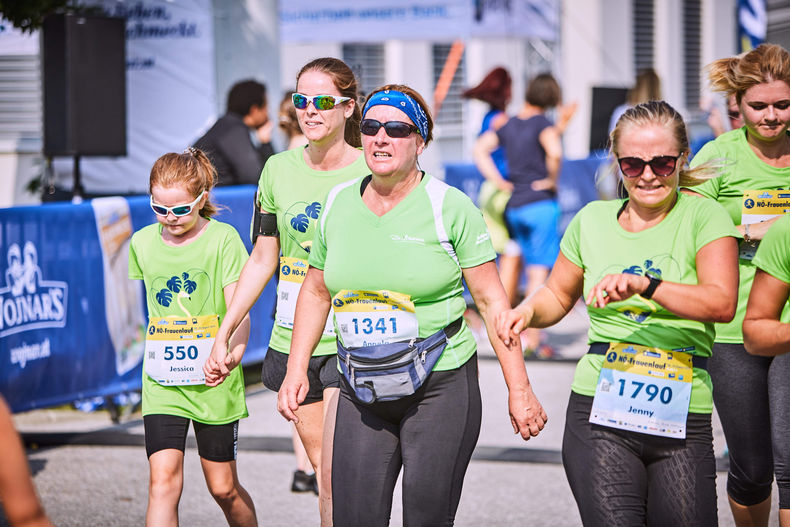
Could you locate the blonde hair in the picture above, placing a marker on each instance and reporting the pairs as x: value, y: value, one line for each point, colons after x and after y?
x: 647, y: 88
x: 734, y: 75
x: 191, y: 170
x: 662, y: 114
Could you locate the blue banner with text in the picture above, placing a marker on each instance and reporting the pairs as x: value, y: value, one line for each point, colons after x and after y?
x: 71, y: 322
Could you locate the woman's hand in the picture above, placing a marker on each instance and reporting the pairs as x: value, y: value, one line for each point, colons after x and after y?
x: 215, y: 368
x: 509, y: 324
x: 292, y: 393
x: 526, y: 413
x: 544, y: 184
x: 503, y: 184
x: 616, y: 287
x: 757, y: 230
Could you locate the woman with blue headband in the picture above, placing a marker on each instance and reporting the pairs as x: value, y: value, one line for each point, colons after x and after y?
x: 389, y: 256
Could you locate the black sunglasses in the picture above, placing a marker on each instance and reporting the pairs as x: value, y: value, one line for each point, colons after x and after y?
x: 662, y: 166
x: 397, y: 129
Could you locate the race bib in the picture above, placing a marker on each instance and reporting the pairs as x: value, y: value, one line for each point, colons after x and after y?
x: 643, y: 389
x: 177, y: 347
x: 292, y: 275
x: 370, y: 318
x: 761, y: 205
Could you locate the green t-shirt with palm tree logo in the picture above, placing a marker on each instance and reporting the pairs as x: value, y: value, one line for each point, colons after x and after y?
x: 742, y: 171
x: 595, y: 241
x: 188, y: 281
x: 296, y: 194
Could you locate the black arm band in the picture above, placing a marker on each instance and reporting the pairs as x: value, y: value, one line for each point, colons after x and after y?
x: 263, y: 224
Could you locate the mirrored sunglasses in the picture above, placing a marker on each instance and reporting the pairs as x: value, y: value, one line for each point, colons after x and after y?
x: 397, y: 129
x: 177, y: 210
x: 662, y: 166
x: 320, y: 102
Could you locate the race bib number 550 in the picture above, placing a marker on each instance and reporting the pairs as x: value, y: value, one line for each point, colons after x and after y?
x: 176, y: 348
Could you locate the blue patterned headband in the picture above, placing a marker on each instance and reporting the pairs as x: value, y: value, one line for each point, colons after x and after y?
x: 404, y: 103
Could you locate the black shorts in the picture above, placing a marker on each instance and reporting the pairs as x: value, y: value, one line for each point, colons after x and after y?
x: 322, y: 373
x: 215, y: 442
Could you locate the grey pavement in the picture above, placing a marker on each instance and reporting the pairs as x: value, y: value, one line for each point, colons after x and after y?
x: 90, y: 472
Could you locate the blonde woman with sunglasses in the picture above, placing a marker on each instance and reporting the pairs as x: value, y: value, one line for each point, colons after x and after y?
x: 291, y: 194
x: 656, y: 269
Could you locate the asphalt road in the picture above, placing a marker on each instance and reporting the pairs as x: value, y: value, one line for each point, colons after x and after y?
x: 91, y: 473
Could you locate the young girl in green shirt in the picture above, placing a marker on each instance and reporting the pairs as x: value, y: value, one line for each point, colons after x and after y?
x: 190, y: 265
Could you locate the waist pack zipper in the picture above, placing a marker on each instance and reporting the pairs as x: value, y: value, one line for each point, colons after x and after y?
x: 379, y: 366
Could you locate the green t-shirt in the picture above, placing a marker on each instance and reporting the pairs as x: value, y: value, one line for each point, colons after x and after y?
x: 402, y: 251
x: 296, y: 194
x: 773, y: 255
x: 210, y: 262
x: 742, y: 171
x: 595, y: 241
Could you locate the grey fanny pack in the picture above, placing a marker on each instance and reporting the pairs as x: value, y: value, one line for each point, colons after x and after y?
x: 387, y: 372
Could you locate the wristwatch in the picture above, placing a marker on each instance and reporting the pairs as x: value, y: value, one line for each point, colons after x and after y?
x: 647, y: 294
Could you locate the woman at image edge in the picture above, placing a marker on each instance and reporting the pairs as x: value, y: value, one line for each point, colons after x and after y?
x: 379, y: 233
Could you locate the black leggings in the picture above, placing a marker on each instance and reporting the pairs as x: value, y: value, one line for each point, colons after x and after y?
x: 431, y: 434
x: 619, y: 477
x: 752, y: 396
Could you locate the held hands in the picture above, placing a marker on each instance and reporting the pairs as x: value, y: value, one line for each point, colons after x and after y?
x: 509, y: 325
x: 292, y: 393
x: 616, y: 287
x: 526, y: 413
x: 219, y: 363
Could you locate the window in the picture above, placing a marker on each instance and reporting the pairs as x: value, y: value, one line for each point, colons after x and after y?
x: 643, y: 34
x: 779, y: 22
x: 692, y: 50
x: 20, y: 97
x: 367, y: 63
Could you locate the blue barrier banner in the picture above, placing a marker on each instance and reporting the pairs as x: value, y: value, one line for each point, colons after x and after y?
x: 71, y: 322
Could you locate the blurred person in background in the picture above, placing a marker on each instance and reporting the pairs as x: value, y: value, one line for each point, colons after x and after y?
x: 239, y: 142
x: 534, y: 153
x: 647, y: 87
x: 496, y: 90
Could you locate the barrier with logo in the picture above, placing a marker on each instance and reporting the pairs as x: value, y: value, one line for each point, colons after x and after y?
x: 71, y: 322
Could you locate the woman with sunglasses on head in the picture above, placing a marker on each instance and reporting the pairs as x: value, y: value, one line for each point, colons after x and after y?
x: 190, y: 265
x: 292, y: 191
x: 657, y: 269
x: 534, y: 152
x: 750, y: 390
x: 390, y: 254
